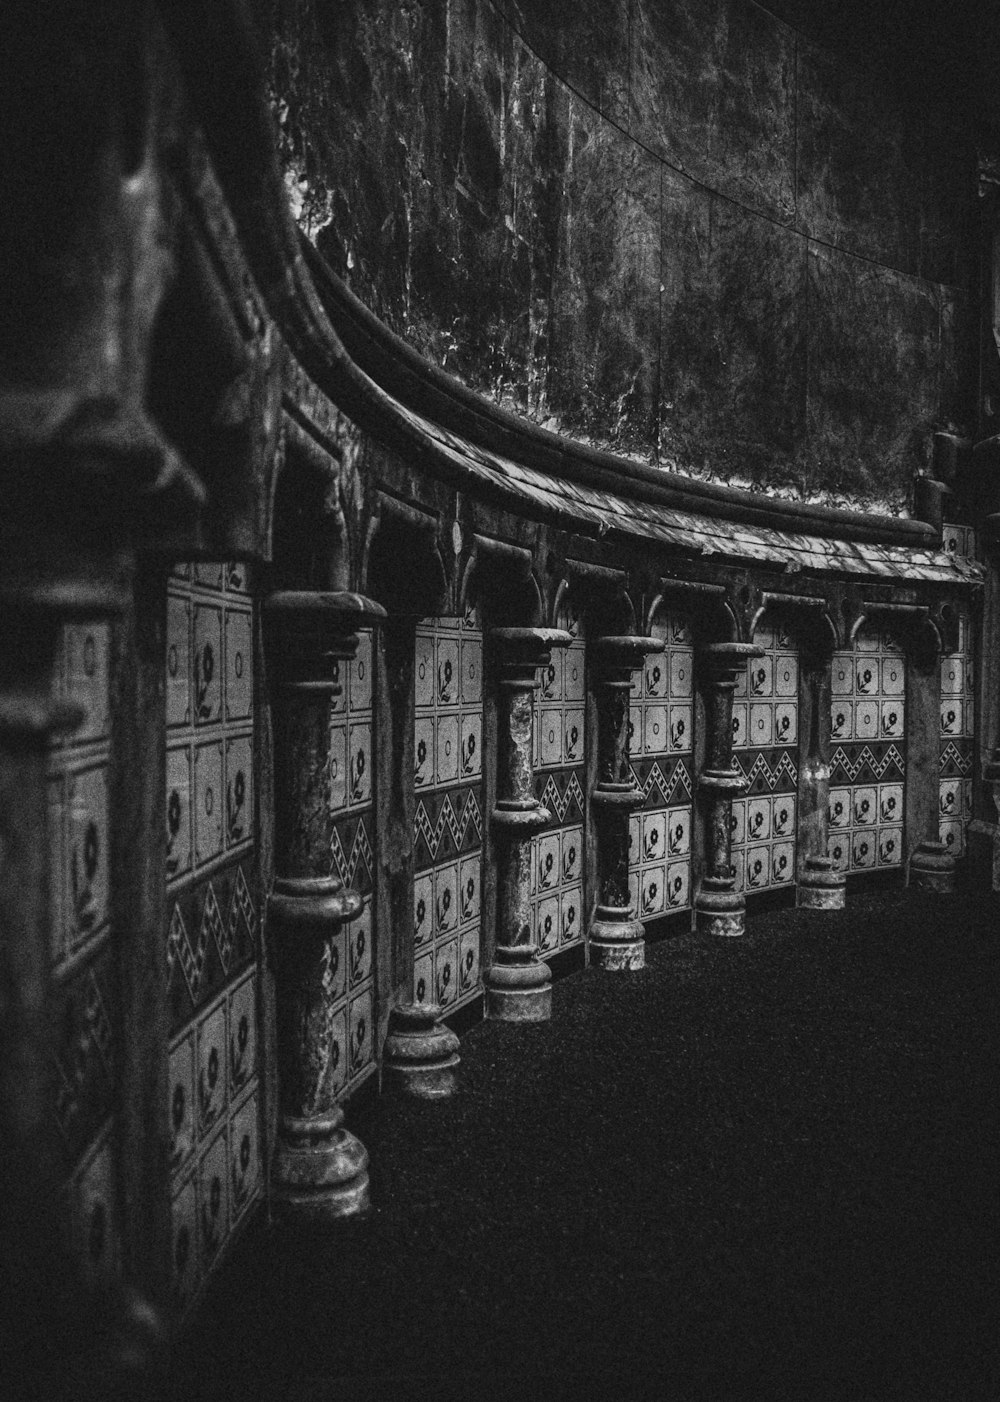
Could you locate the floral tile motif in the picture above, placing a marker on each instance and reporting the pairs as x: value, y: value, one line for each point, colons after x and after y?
x: 213, y: 907
x: 765, y: 751
x: 957, y: 722
x: 868, y: 758
x: 661, y: 740
x: 95, y: 1216
x: 448, y: 820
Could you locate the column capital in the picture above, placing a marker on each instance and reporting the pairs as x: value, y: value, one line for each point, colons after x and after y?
x: 622, y: 653
x: 724, y: 660
x: 312, y: 631
x: 521, y: 651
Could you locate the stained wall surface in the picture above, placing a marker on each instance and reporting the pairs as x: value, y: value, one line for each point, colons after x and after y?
x: 679, y: 229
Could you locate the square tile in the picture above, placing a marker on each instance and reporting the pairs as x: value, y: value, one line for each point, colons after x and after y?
x: 782, y: 862
x: 472, y: 670
x: 547, y: 924
x: 866, y: 676
x: 890, y: 803
x: 635, y: 685
x: 178, y: 678
x: 547, y: 862
x: 786, y: 675
x: 570, y: 914
x: 423, y: 753
x: 841, y: 808
x: 211, y: 1068
x: 209, y: 801
x: 550, y: 682
x: 550, y: 724
x: 742, y: 688
x: 423, y: 978
x: 573, y: 674
x: 446, y: 906
x: 182, y: 1102
x: 786, y: 723
x: 447, y: 746
x: 634, y: 839
x: 572, y: 854
x: 892, y: 719
x: 866, y: 718
x: 864, y: 846
x: 952, y: 716
x: 738, y: 822
x: 469, y: 882
x: 868, y: 639
x: 890, y: 846
x: 338, y: 767
x: 681, y: 674
x: 359, y: 945
x: 633, y: 892
x: 208, y: 573
x: 761, y: 725
x: 651, y: 894
x: 740, y: 725
x: 635, y: 729
x: 446, y: 681
x: 654, y: 737
x: 87, y: 838
x: 242, y: 1034
x: 336, y: 966
x: 213, y: 1198
x: 678, y: 832
x: 207, y: 664
x: 838, y: 850
x: 471, y: 755
x: 655, y: 675
x: 359, y: 679
x: 185, y: 1256
x: 893, y: 676
x: 842, y: 675
x: 244, y: 1149
x: 842, y: 721
x: 758, y: 868
x: 678, y: 886
x: 362, y: 1034
x: 239, y: 663
x: 951, y: 831
x: 468, y: 966
x: 423, y: 908
x: 654, y: 838
x: 359, y: 758
x: 96, y: 1215
x: 760, y: 676
x: 239, y: 791
x: 87, y: 663
x: 864, y: 805
x: 681, y: 735
x: 758, y: 819
x: 339, y: 1061
x: 423, y: 665
x: 573, y: 737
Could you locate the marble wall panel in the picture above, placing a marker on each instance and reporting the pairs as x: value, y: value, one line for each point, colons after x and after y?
x: 587, y: 42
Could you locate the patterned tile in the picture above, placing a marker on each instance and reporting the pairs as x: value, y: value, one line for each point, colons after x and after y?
x: 765, y: 751
x: 868, y: 760
x: 957, y: 721
x: 559, y: 780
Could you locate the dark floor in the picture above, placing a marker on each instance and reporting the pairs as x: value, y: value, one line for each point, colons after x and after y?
x: 763, y: 1168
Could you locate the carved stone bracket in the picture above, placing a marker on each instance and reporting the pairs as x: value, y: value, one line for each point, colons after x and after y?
x: 519, y: 984
x: 320, y: 1171
x: 617, y: 939
x: 721, y: 909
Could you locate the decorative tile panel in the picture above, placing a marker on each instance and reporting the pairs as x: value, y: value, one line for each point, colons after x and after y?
x: 560, y: 778
x: 353, y: 860
x: 661, y: 740
x: 868, y: 753
x: 448, y: 818
x: 765, y: 751
x: 213, y: 912
x: 957, y: 734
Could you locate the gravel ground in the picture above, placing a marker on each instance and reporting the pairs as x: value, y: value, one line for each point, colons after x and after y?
x: 762, y: 1168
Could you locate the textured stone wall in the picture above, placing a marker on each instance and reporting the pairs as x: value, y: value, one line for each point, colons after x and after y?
x: 679, y: 229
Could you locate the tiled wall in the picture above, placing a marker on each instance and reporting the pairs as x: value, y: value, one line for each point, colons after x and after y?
x: 765, y: 750
x: 662, y: 741
x: 213, y: 912
x: 448, y: 819
x: 85, y: 1011
x: 957, y: 715
x: 560, y: 781
x: 868, y: 754
x: 352, y: 859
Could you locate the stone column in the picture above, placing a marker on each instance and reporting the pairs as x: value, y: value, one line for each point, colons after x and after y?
x: 617, y: 939
x: 719, y: 908
x: 319, y: 1170
x: 518, y: 983
x: 819, y: 886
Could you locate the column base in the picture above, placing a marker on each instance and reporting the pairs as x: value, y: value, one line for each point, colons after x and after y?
x: 518, y: 987
x: 616, y: 942
x: 821, y: 886
x: 420, y: 1054
x: 932, y: 868
x: 719, y: 909
x: 319, y: 1171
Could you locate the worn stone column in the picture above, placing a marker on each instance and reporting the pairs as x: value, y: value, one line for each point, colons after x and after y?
x: 420, y: 1053
x: 617, y: 939
x: 518, y: 983
x: 319, y: 1170
x: 819, y: 886
x: 719, y: 908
